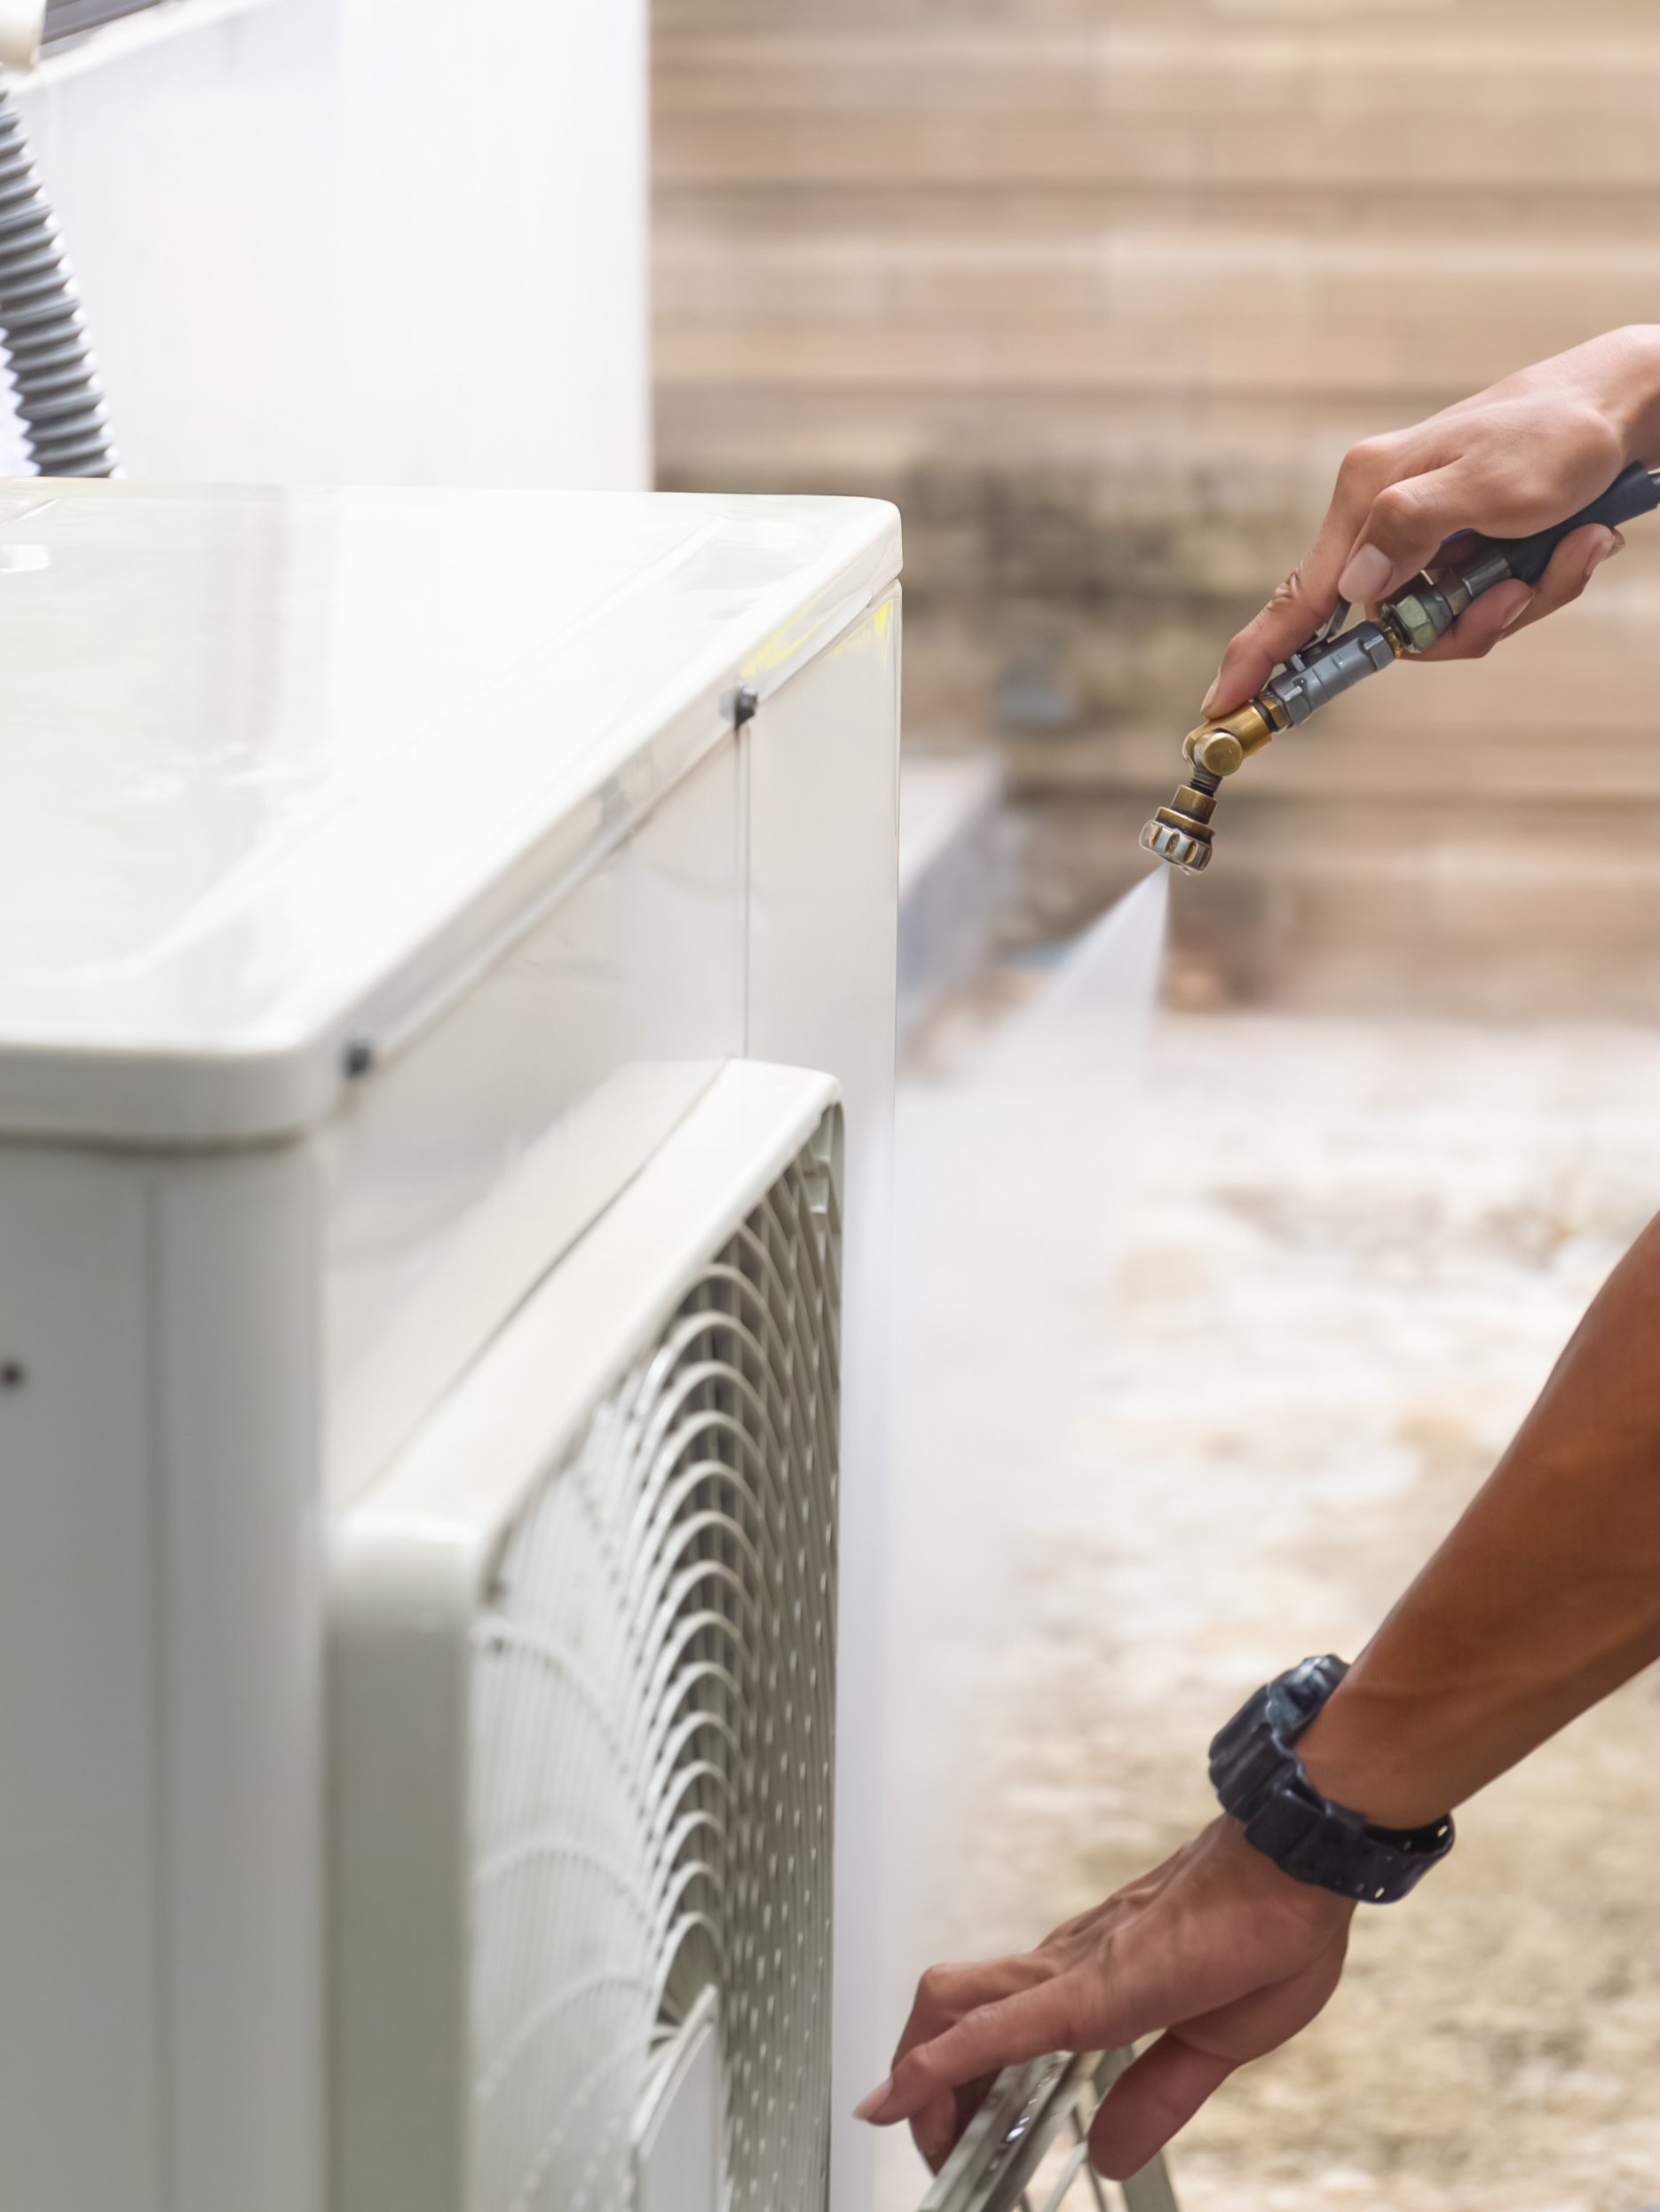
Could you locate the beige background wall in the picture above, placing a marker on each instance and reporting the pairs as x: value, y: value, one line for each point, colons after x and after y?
x: 1100, y: 292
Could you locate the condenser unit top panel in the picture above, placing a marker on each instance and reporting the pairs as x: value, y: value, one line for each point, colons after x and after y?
x: 283, y: 769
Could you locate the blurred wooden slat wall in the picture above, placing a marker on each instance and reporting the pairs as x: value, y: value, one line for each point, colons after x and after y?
x: 1100, y: 293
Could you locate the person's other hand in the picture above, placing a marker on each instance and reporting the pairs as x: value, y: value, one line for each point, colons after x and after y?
x: 1217, y: 1948
x: 1516, y: 458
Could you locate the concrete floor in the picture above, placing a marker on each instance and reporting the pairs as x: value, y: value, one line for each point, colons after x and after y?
x: 1207, y: 1419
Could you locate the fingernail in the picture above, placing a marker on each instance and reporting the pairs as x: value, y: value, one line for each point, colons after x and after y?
x: 1367, y: 572
x: 872, y: 2105
x: 1213, y: 695
x: 1611, y: 544
x: 1515, y: 613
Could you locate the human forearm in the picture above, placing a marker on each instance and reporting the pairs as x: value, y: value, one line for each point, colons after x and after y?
x: 1544, y: 1598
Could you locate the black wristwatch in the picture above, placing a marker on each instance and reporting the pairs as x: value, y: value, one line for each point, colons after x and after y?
x: 1260, y: 1779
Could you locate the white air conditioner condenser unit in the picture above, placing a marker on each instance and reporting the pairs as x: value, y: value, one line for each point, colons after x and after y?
x: 446, y: 1034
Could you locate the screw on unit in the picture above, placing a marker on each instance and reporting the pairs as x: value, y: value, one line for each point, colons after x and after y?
x: 742, y: 705
x: 359, y: 1056
x: 14, y: 1374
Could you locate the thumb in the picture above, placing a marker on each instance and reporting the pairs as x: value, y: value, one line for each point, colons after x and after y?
x: 1409, y: 522
x: 1153, y: 2100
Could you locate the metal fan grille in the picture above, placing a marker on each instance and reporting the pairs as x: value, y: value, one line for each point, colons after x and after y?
x: 652, y: 1703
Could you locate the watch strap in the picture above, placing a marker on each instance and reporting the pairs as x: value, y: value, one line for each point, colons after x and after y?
x: 1259, y: 1780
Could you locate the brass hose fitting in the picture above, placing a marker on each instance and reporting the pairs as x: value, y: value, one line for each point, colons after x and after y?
x: 1181, y: 833
x: 1227, y: 744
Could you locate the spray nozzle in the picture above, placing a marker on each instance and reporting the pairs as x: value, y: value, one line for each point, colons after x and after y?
x: 1181, y: 833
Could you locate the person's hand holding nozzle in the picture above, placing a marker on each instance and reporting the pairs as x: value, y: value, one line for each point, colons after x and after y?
x: 1514, y: 459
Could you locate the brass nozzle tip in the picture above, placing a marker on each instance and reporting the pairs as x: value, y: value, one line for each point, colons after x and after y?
x: 1181, y: 833
x: 1181, y: 848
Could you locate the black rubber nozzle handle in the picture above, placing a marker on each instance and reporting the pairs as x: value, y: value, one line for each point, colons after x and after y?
x: 1632, y: 493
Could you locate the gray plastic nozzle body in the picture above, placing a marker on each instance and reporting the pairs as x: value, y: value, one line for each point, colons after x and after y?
x: 1302, y: 687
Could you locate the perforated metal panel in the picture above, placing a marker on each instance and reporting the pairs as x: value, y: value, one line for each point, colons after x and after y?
x: 582, y: 1705
x: 652, y: 1713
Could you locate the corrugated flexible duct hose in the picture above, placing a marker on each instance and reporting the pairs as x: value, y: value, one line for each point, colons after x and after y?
x: 58, y: 394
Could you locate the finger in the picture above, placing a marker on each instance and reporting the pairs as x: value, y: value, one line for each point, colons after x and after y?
x: 1408, y: 523
x: 1028, y: 2026
x: 945, y: 1992
x: 935, y: 2130
x: 1303, y: 602
x: 1153, y: 2101
x: 1167, y: 2084
x: 938, y: 2127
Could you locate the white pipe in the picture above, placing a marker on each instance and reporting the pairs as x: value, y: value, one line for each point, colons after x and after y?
x: 21, y: 22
